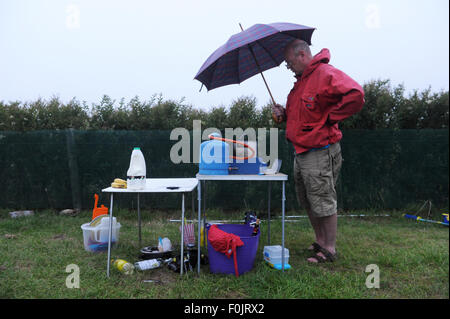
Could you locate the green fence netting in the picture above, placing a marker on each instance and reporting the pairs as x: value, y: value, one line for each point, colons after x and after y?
x: 382, y: 169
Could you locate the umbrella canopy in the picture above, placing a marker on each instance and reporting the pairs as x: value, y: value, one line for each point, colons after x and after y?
x: 256, y: 49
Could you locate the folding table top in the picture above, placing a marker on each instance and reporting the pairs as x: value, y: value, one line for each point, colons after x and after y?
x: 237, y: 177
x: 160, y: 185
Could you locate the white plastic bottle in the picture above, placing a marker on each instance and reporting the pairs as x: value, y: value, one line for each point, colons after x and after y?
x: 164, y: 244
x: 137, y: 171
x: 147, y: 264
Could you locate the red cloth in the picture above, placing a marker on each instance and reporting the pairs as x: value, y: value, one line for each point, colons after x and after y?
x: 321, y: 97
x: 224, y: 242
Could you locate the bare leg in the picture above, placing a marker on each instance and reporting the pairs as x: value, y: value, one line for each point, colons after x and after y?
x: 328, y: 226
x: 315, y: 223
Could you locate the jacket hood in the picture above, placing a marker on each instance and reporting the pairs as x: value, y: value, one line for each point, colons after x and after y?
x: 322, y: 57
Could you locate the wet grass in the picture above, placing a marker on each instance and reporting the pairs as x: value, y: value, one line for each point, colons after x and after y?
x: 413, y: 260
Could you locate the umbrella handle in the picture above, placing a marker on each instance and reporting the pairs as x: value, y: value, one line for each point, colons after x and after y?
x: 260, y: 72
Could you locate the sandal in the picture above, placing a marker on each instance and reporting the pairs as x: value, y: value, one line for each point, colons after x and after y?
x: 329, y: 257
x: 316, y: 247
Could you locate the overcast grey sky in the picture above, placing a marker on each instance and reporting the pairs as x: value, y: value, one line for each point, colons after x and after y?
x: 88, y: 48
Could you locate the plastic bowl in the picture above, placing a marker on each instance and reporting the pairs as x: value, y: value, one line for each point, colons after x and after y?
x: 153, y: 252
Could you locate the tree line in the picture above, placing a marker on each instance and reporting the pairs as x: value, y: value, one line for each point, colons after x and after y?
x: 386, y: 107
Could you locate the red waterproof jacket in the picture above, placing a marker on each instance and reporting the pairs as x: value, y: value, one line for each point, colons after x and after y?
x: 321, y: 97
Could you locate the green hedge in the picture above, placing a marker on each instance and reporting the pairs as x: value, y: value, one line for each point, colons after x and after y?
x: 386, y: 107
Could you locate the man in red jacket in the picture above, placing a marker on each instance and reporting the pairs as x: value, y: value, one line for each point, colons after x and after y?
x: 321, y: 97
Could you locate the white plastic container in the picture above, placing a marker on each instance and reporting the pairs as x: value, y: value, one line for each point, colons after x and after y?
x: 272, y: 255
x: 164, y: 244
x: 96, y: 237
x: 137, y: 172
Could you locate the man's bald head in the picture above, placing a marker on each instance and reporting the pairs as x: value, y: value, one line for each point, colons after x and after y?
x: 297, y: 56
x: 298, y: 45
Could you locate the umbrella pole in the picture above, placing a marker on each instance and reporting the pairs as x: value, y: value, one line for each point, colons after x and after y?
x: 260, y: 72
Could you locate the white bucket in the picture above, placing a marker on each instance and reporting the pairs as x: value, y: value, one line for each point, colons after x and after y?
x: 96, y: 238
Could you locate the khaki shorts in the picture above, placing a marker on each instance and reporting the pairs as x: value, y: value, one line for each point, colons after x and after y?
x: 315, y: 175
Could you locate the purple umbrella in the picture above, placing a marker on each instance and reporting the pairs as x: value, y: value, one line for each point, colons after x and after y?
x: 259, y: 48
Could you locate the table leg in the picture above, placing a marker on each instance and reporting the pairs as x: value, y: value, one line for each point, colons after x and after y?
x: 139, y: 219
x: 193, y: 204
x: 268, y: 214
x: 282, y: 226
x: 199, y: 199
x: 204, y: 215
x: 182, y: 235
x: 109, y: 235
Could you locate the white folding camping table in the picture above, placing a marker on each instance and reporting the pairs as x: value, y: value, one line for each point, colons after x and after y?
x: 153, y: 185
x: 278, y: 177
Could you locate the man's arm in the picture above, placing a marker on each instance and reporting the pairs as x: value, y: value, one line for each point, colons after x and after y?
x: 347, y: 96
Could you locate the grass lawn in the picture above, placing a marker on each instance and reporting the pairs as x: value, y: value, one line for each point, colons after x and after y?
x: 413, y: 260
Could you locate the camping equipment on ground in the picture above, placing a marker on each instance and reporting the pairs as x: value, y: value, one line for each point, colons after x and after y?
x: 256, y: 227
x: 190, y: 257
x: 215, y: 158
x: 420, y: 219
x: 272, y: 256
x: 97, y: 211
x: 188, y: 233
x: 225, y: 240
x: 445, y: 218
x: 123, y: 266
x: 164, y: 244
x: 148, y: 264
x: 95, y: 233
x: 427, y: 220
x: 258, y: 48
x: 150, y: 252
x: 250, y: 218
